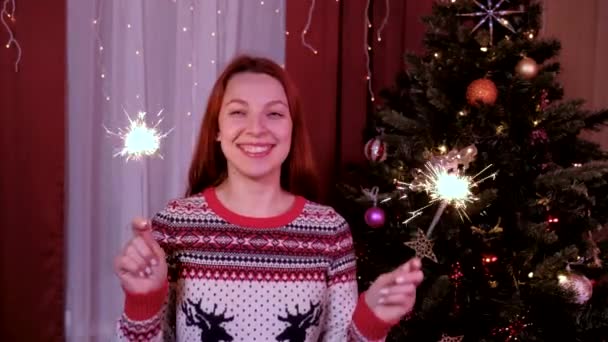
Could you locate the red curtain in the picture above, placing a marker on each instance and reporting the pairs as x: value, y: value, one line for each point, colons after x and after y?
x: 333, y: 81
x: 32, y: 158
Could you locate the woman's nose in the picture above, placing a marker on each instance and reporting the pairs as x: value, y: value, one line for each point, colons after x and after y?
x: 256, y: 124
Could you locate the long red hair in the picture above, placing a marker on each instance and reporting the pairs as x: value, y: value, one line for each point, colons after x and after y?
x: 209, y: 166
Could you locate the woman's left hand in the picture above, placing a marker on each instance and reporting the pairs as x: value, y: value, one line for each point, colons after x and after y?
x: 393, y: 294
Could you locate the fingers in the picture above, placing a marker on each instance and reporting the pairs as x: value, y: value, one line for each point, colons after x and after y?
x: 159, y: 253
x: 124, y: 264
x: 142, y: 266
x: 409, y: 272
x: 144, y: 250
x: 415, y: 278
x: 395, y: 299
x: 140, y: 224
x: 397, y: 295
x: 411, y: 265
x: 142, y: 253
x: 142, y: 228
x: 132, y: 253
x: 127, y: 266
x: 393, y: 294
x: 387, y: 279
x: 407, y: 289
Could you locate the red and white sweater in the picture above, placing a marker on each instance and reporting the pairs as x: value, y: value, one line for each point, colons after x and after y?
x: 233, y: 278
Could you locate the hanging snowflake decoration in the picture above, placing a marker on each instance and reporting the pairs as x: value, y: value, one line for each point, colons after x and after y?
x: 491, y: 13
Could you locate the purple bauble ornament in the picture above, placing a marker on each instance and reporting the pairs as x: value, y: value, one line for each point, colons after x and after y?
x: 374, y: 217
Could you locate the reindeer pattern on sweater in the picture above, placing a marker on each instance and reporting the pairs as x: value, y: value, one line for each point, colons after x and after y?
x: 290, y: 278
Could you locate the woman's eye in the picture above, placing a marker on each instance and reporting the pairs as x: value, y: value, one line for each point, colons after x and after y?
x: 237, y: 112
x: 275, y: 114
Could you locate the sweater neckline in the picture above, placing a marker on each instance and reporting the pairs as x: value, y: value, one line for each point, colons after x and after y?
x: 254, y: 222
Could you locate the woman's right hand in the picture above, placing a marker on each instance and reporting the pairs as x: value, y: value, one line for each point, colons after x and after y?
x: 141, y: 267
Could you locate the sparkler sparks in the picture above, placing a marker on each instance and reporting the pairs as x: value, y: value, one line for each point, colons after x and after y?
x: 139, y: 140
x: 447, y: 186
x: 451, y: 188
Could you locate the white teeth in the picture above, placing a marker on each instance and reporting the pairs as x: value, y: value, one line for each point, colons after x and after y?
x: 255, y: 149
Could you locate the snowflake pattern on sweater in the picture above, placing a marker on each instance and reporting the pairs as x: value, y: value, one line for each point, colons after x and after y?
x: 288, y: 278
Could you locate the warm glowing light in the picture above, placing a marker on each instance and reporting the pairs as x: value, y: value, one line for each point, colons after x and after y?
x: 139, y: 140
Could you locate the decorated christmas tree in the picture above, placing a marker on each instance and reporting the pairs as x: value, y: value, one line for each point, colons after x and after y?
x: 477, y: 165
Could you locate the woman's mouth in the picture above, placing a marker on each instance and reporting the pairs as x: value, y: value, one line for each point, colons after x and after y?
x: 256, y: 150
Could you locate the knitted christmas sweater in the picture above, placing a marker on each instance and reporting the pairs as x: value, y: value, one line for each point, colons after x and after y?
x: 234, y: 278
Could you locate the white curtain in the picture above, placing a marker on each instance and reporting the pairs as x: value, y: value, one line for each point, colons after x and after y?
x: 140, y: 55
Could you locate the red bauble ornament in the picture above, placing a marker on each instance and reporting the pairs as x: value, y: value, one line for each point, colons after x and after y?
x: 482, y: 91
x: 375, y: 150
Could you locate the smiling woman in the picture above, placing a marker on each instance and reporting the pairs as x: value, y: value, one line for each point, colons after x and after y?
x: 255, y: 127
x: 246, y: 254
x: 254, y: 112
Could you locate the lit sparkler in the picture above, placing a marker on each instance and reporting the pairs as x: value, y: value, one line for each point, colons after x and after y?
x: 447, y: 186
x: 139, y: 140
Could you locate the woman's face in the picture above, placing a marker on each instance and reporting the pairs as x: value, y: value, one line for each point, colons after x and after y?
x: 255, y: 126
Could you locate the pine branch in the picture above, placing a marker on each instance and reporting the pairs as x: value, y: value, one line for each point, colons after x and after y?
x: 587, y: 151
x: 544, y: 50
x: 597, y: 120
x: 403, y: 124
x: 555, y: 263
x: 564, y: 120
x: 540, y: 233
x: 435, y: 295
x: 564, y: 178
x: 551, y: 67
x: 485, y: 198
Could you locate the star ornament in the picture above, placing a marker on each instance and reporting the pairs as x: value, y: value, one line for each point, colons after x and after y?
x: 446, y: 338
x: 423, y: 246
x: 491, y: 13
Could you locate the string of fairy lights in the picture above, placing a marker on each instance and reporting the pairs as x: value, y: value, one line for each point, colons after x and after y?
x: 191, y: 64
x: 100, y: 49
x: 139, y: 140
x: 7, y: 18
x: 307, y: 27
x: 367, y: 47
x: 149, y: 137
x: 193, y: 60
